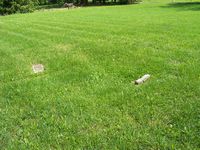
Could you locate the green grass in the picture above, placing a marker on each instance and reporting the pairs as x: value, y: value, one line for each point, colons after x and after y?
x: 85, y: 99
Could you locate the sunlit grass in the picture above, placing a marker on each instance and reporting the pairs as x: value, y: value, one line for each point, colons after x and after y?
x: 85, y: 98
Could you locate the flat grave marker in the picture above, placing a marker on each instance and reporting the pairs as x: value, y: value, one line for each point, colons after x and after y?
x: 38, y: 68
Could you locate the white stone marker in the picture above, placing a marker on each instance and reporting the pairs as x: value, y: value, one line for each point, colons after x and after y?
x: 142, y: 79
x: 37, y: 68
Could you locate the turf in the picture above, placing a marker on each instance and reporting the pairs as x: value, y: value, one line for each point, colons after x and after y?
x: 85, y: 98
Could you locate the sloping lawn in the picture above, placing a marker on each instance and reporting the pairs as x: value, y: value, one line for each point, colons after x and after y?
x: 85, y: 98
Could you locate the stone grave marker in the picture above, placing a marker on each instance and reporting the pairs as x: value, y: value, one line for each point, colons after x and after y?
x: 38, y: 68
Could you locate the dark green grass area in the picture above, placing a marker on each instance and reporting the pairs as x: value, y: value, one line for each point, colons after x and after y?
x: 182, y: 6
x: 85, y: 99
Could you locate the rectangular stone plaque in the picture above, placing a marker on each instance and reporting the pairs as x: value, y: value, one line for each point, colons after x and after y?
x: 37, y: 68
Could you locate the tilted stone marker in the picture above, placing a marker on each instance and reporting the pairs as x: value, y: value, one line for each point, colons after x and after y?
x: 142, y: 79
x: 37, y: 68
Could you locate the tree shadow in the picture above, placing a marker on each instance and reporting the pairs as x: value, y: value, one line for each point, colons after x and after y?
x: 50, y: 6
x: 195, y: 6
x: 57, y: 6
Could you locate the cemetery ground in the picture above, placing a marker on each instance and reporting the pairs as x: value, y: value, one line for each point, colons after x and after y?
x: 85, y: 97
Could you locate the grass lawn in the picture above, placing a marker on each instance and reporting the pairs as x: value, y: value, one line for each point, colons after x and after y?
x: 85, y: 98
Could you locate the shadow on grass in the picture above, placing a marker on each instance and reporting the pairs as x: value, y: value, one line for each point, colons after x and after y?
x: 184, y: 6
x: 52, y: 6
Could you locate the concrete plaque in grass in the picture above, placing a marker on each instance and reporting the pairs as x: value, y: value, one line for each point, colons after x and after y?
x: 37, y: 68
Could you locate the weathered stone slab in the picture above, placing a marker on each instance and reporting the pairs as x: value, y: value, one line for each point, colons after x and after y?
x: 37, y: 68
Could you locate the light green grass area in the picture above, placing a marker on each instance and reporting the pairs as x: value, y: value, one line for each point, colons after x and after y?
x: 85, y: 99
